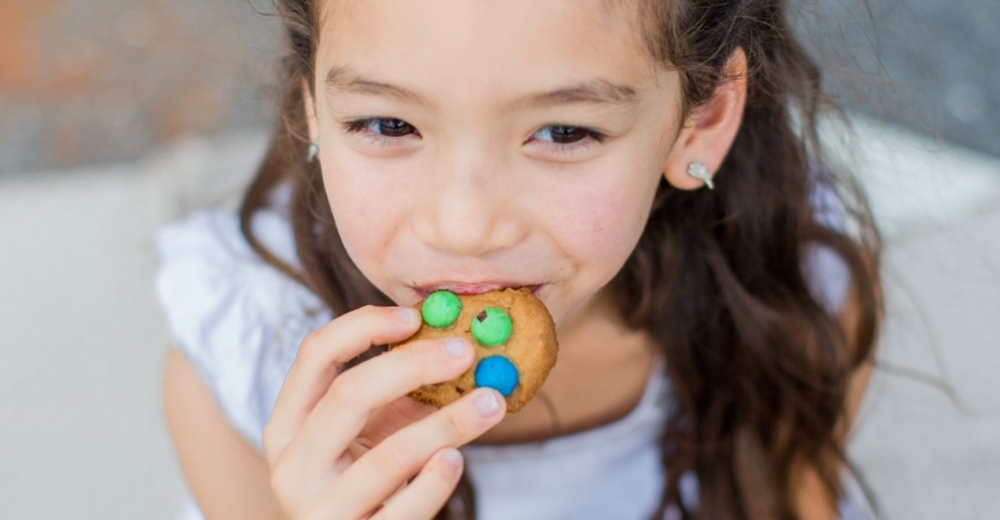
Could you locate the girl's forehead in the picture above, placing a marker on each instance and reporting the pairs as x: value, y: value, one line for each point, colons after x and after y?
x: 499, y: 48
x: 579, y: 13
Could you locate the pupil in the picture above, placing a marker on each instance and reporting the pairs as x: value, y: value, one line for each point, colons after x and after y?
x: 566, y: 134
x: 392, y: 127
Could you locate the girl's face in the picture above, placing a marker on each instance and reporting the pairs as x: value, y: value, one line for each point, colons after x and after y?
x: 476, y: 145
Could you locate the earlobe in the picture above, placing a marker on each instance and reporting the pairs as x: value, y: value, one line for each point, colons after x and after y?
x: 710, y: 129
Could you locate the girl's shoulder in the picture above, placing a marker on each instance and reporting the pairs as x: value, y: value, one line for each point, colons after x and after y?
x: 235, y: 318
x: 826, y: 272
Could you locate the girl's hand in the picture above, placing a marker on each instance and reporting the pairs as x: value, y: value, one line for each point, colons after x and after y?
x: 344, y: 446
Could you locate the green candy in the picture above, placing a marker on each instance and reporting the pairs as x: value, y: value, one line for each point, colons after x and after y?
x: 441, y: 309
x: 491, y: 327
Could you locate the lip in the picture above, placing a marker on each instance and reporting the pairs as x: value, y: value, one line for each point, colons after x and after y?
x: 472, y: 288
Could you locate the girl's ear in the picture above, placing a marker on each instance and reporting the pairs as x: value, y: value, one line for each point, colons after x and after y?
x: 711, y: 128
x: 310, y: 108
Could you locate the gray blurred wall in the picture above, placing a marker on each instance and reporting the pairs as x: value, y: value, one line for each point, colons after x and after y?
x: 98, y: 81
x: 88, y: 81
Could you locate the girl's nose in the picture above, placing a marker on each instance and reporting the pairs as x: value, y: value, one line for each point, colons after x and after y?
x: 469, y: 213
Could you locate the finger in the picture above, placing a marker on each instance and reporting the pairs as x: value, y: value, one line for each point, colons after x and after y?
x: 359, y: 392
x: 378, y: 473
x: 321, y: 355
x: 429, y: 492
x: 394, y: 416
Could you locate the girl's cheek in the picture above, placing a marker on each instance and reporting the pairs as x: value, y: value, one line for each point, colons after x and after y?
x: 598, y: 229
x: 367, y: 205
x: 599, y: 210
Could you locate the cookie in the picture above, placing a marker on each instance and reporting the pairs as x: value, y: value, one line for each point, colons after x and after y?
x: 512, y: 333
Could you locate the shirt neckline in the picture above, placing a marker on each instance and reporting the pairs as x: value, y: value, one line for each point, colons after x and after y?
x: 643, y: 420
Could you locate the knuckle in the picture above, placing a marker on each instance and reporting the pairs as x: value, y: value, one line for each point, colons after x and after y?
x: 392, y: 458
x: 417, y: 357
x: 346, y: 388
x: 405, y: 363
x: 367, y: 311
x: 418, y: 365
x: 457, y: 425
x: 280, y: 487
x: 312, y: 344
x: 424, y: 356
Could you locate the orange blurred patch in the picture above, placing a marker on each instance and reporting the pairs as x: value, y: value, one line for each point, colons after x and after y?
x: 19, y: 63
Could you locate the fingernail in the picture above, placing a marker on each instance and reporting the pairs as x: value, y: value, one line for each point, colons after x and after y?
x: 487, y: 404
x: 453, y: 457
x: 406, y: 315
x: 455, y: 347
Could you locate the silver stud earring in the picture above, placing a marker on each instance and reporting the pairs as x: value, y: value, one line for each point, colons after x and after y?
x: 313, y: 150
x: 699, y: 171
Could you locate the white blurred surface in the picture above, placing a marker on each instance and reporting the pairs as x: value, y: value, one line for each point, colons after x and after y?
x: 83, y: 339
x: 915, y: 185
x: 82, y: 432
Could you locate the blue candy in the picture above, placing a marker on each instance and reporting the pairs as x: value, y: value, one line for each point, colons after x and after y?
x: 498, y: 373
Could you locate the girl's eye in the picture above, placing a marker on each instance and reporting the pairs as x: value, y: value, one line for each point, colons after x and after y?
x: 564, y: 134
x: 381, y: 128
x: 385, y: 130
x: 574, y: 136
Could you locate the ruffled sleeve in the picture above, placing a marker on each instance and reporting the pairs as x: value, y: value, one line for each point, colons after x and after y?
x: 826, y: 273
x: 235, y: 318
x: 828, y: 277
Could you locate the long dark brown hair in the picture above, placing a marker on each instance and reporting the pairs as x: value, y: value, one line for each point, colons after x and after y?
x: 759, y: 367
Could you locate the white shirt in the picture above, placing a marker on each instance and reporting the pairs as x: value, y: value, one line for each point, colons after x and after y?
x: 239, y: 322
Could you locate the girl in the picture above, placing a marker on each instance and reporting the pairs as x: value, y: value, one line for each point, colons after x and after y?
x: 648, y: 167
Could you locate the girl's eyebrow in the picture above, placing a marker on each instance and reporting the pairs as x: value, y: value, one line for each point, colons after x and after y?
x: 598, y: 91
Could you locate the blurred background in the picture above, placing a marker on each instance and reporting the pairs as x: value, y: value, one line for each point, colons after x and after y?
x: 120, y: 115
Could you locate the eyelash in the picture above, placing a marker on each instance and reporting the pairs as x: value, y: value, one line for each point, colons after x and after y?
x: 359, y: 126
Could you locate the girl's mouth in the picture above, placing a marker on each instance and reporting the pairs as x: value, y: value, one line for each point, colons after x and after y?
x: 472, y: 288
